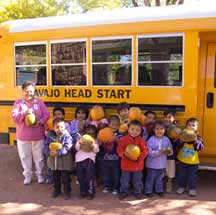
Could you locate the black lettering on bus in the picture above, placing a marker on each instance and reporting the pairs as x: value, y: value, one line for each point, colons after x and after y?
x: 112, y: 94
x: 128, y: 93
x: 100, y: 93
x: 88, y: 93
x: 120, y: 94
x: 56, y: 92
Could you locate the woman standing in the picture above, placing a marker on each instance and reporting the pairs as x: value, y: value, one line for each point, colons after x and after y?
x: 30, y: 135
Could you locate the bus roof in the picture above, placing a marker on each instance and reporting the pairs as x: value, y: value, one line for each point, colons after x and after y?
x: 123, y: 15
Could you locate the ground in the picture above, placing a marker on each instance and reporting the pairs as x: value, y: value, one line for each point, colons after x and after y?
x: 15, y: 198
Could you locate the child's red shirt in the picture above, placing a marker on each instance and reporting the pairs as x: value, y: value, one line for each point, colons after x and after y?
x: 127, y: 164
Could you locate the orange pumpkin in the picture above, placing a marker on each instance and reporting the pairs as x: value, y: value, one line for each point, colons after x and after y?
x: 49, y: 124
x: 133, y: 150
x: 105, y: 135
x: 173, y: 132
x: 135, y: 113
x: 123, y: 128
x: 97, y: 113
x: 142, y: 119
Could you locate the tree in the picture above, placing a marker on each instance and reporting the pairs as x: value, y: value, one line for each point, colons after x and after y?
x: 20, y: 9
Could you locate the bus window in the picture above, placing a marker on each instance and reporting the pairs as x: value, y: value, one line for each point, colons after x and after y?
x: 160, y: 61
x: 68, y: 63
x: 112, y: 62
x: 30, y: 63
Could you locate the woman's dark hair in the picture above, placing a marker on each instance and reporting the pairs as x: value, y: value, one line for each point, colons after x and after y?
x: 59, y: 109
x: 28, y: 83
x: 85, y: 110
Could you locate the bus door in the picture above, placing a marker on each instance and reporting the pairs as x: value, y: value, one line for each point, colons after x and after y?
x: 209, y: 126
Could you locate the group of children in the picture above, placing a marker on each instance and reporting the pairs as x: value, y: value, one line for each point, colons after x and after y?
x: 109, y: 162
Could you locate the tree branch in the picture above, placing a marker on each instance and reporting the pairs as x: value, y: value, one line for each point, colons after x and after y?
x: 157, y: 2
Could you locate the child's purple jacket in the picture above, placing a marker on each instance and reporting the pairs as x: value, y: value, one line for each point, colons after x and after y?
x: 155, y: 160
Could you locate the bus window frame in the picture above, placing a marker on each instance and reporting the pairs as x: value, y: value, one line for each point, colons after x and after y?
x: 42, y: 42
x: 68, y: 64
x: 132, y: 59
x: 182, y: 34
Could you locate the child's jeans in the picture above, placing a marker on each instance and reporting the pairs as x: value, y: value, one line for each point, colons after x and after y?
x: 61, y: 177
x: 86, y: 176
x: 111, y: 174
x: 187, y: 175
x: 154, y: 178
x: 136, y: 178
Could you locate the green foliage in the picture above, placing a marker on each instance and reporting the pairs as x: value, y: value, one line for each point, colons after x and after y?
x: 21, y: 9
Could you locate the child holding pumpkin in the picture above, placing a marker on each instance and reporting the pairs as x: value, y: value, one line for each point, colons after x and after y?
x: 190, y: 144
x: 170, y: 171
x: 158, y: 148
x: 59, y: 160
x: 132, y: 150
x: 111, y: 168
x: 85, y: 160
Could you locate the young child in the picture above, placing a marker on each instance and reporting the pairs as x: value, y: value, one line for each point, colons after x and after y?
x: 158, y: 148
x: 86, y: 165
x: 131, y: 170
x: 111, y: 169
x: 58, y: 113
x: 123, y: 110
x: 170, y: 171
x: 77, y: 125
x: 189, y: 160
x: 60, y: 161
x: 149, y: 124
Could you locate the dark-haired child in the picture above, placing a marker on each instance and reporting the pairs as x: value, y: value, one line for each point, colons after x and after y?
x: 131, y: 170
x: 111, y: 168
x: 149, y: 124
x: 158, y: 148
x: 78, y: 123
x: 60, y: 161
x: 86, y: 165
x: 189, y: 161
x: 170, y: 171
x: 123, y: 110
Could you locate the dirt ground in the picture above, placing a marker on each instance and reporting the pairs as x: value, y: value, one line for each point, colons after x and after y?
x: 15, y: 198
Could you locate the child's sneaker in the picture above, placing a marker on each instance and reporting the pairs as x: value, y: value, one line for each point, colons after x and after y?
x: 105, y: 190
x: 180, y: 190
x: 115, y: 192
x: 192, y: 193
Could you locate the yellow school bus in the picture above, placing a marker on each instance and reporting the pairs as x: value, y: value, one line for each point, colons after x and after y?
x: 160, y: 58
